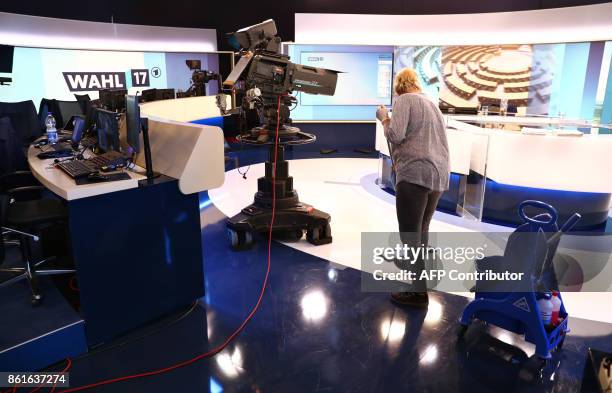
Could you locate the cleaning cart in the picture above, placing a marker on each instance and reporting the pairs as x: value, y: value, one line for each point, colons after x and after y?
x: 532, y: 247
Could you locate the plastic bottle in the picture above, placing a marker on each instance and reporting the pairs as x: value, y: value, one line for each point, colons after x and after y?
x: 546, y: 307
x: 51, y: 130
x: 556, y: 302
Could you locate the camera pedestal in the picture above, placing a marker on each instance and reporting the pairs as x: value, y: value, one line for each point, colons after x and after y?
x: 292, y: 217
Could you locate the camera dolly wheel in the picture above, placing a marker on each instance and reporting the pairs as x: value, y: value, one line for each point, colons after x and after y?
x: 239, y: 240
x: 319, y: 234
x: 293, y: 236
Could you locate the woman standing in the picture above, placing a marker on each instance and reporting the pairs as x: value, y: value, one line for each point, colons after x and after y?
x: 419, y: 150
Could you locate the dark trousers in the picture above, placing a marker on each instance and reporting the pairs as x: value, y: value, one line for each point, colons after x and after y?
x: 415, y: 206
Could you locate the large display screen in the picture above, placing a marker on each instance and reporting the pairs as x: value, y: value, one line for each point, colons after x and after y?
x: 566, y: 79
x: 6, y: 58
x: 60, y: 73
x: 365, y: 81
x: 365, y: 78
x: 573, y: 80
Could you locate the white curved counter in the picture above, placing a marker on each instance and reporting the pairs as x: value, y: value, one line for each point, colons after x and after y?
x: 182, y: 109
x: 549, y: 162
x: 191, y: 153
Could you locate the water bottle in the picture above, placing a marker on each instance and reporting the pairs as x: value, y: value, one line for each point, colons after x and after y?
x: 556, y: 302
x: 546, y: 307
x: 51, y: 130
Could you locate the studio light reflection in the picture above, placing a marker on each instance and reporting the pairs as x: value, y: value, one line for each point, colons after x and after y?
x: 332, y: 275
x: 430, y: 355
x: 393, y: 329
x: 230, y: 364
x: 434, y: 312
x: 314, y: 306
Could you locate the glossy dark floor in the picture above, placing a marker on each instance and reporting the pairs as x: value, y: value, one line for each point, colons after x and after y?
x: 317, y: 332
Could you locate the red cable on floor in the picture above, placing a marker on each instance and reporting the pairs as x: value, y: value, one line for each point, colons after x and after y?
x: 242, y: 325
x: 72, y: 284
x: 64, y: 370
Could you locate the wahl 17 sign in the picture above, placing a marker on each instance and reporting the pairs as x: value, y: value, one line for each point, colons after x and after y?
x: 90, y: 81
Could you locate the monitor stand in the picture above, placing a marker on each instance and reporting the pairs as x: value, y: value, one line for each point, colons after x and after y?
x: 151, y: 175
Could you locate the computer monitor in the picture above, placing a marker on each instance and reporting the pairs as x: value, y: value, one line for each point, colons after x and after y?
x: 113, y: 99
x: 165, y: 94
x: 149, y: 95
x: 78, y: 128
x: 157, y: 94
x: 6, y: 58
x: 84, y: 101
x: 69, y: 125
x: 107, y: 126
x: 135, y: 125
x: 89, y: 119
x: 132, y: 117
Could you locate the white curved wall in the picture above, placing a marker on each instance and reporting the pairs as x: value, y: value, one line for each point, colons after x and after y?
x: 570, y: 24
x: 40, y: 32
x: 183, y: 109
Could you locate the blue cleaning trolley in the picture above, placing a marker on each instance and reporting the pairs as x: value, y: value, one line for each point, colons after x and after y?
x: 532, y: 246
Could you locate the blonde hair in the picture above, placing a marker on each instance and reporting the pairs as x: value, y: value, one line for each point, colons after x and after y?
x: 407, y: 81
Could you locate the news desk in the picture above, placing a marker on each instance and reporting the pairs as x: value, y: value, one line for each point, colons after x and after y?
x: 572, y: 173
x: 136, y: 244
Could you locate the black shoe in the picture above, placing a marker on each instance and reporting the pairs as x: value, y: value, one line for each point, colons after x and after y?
x: 415, y: 299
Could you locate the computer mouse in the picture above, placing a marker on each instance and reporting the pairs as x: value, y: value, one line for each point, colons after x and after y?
x: 109, y: 168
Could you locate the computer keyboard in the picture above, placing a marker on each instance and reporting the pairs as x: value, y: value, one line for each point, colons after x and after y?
x: 77, y: 168
x: 110, y: 158
x: 89, y: 141
x: 80, y: 168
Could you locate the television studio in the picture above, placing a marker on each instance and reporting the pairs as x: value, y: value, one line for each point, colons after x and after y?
x: 339, y: 196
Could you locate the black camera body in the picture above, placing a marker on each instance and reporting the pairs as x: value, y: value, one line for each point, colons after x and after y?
x: 275, y: 76
x: 265, y: 79
x: 199, y: 79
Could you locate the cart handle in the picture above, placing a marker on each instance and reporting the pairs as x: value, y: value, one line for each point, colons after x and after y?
x: 569, y: 224
x: 540, y: 205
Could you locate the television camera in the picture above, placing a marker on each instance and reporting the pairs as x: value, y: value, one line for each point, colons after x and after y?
x: 199, y: 79
x: 272, y: 76
x: 265, y: 78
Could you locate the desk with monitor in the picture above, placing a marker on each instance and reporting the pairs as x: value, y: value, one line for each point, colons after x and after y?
x: 136, y: 243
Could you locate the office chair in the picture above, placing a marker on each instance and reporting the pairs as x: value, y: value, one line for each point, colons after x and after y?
x: 68, y: 109
x: 28, y: 186
x: 23, y: 118
x: 26, y: 220
x: 12, y: 154
x: 62, y: 111
x: 84, y: 102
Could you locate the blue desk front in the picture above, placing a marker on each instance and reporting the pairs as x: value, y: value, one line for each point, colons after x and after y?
x: 138, y: 256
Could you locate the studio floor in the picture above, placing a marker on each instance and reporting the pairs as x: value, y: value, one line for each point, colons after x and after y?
x: 346, y: 189
x: 316, y: 331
